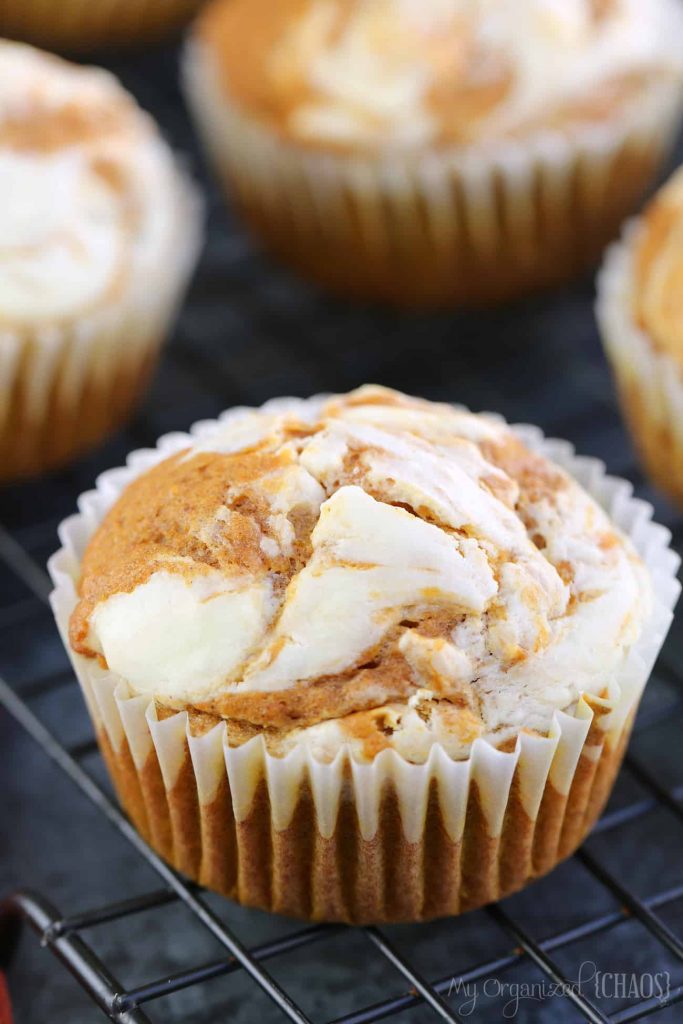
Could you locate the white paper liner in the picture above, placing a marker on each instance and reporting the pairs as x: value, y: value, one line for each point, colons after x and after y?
x: 536, y: 759
x: 650, y: 382
x: 59, y: 380
x: 527, y: 211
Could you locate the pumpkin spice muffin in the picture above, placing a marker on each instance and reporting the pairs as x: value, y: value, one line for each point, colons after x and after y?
x: 640, y: 309
x: 365, y: 658
x: 436, y: 151
x: 99, y: 232
x: 82, y: 25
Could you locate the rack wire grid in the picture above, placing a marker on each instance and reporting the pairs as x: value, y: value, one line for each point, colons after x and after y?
x: 600, y: 939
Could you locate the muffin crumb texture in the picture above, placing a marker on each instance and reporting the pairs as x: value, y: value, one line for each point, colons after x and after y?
x: 371, y: 570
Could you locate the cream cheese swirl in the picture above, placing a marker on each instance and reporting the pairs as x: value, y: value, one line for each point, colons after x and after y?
x: 62, y: 235
x: 85, y: 185
x: 375, y: 553
x: 393, y: 71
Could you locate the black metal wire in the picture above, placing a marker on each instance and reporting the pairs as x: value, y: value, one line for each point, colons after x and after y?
x: 112, y: 911
x: 635, y: 906
x: 74, y: 953
x: 14, y: 555
x: 422, y: 987
x: 536, y: 954
x: 647, y: 1007
x: 205, y: 972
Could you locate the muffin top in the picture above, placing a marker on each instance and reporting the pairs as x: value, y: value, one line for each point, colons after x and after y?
x: 365, y: 73
x: 658, y: 269
x: 370, y: 569
x: 82, y: 170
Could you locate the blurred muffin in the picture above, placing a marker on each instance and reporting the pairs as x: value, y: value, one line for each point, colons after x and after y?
x: 365, y: 658
x: 99, y: 231
x: 436, y: 151
x: 640, y: 310
x: 81, y: 25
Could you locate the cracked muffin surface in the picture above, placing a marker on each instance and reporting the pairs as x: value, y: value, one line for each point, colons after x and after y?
x: 369, y: 570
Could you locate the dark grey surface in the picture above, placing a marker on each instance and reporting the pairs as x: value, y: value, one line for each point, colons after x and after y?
x: 248, y: 332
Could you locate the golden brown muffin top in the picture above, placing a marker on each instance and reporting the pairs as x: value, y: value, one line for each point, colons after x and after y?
x: 84, y: 175
x: 370, y: 569
x: 353, y: 74
x: 658, y: 270
x: 49, y: 104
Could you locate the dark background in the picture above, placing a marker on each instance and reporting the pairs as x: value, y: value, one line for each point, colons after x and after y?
x: 248, y: 332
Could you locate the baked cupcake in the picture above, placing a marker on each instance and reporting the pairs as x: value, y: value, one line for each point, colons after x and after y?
x: 363, y: 658
x: 640, y: 311
x: 99, y: 232
x: 429, y: 152
x: 80, y: 25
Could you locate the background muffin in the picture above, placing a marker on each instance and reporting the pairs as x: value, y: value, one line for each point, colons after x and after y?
x: 99, y: 233
x: 416, y: 644
x: 640, y: 309
x: 436, y: 152
x: 80, y: 25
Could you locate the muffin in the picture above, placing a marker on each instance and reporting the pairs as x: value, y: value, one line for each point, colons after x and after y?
x: 640, y: 311
x: 441, y: 151
x: 80, y: 25
x: 100, y: 230
x: 362, y: 658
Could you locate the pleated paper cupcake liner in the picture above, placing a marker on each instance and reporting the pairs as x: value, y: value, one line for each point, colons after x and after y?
x: 81, y: 25
x: 443, y: 226
x: 649, y: 382
x: 65, y: 387
x: 385, y: 840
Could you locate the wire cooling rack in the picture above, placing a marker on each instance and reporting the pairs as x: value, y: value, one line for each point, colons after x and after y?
x: 601, y: 939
